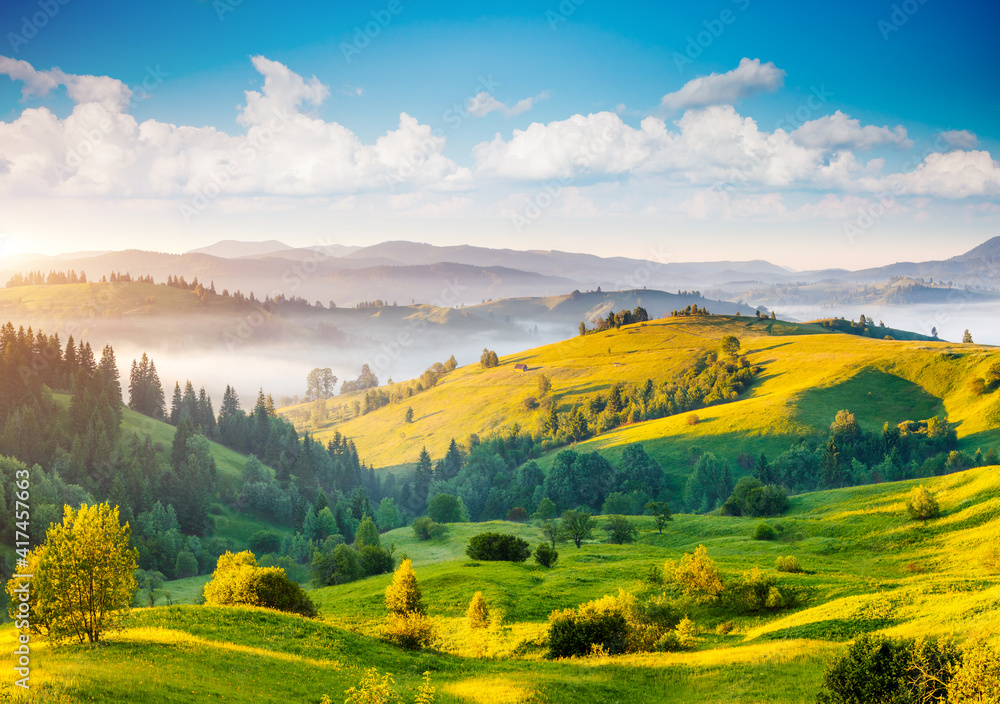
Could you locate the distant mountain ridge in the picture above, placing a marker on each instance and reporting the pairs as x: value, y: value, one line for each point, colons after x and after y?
x: 414, y: 271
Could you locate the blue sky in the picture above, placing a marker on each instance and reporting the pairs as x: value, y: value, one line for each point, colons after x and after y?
x: 892, y: 78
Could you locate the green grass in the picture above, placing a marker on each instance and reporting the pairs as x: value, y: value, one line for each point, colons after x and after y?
x: 868, y: 568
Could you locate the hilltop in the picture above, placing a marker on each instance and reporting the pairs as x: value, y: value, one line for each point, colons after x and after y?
x: 808, y: 374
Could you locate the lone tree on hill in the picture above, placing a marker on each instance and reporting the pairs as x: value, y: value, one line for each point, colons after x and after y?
x: 578, y: 525
x: 661, y: 513
x: 83, y: 581
x: 403, y: 595
x: 967, y: 337
x: 730, y: 345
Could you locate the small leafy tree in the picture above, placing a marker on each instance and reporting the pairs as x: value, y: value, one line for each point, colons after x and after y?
x: 620, y: 530
x: 374, y: 688
x: 408, y: 418
x: 238, y: 580
x: 698, y: 576
x: 730, y: 345
x: 661, y: 513
x: 478, y: 612
x: 403, y: 595
x: 446, y: 508
x: 578, y: 525
x: 922, y: 505
x: 967, y: 337
x: 553, y: 532
x: 84, y: 575
x: 546, y: 555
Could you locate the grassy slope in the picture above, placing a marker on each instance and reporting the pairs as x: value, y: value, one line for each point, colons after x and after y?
x: 855, y: 543
x: 808, y: 376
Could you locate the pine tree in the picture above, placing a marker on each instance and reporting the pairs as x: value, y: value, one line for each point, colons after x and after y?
x: 403, y: 595
x: 422, y: 476
x: 175, y: 405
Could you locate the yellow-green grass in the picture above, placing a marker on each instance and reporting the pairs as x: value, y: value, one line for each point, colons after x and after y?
x: 869, y: 568
x: 807, y: 377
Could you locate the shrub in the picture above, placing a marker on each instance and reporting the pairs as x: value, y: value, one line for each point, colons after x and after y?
x: 922, y: 505
x: 264, y: 541
x: 618, y: 503
x: 238, y: 580
x: 445, y: 508
x: 546, y: 555
x: 788, y: 564
x: 693, y: 419
x: 411, y: 629
x: 764, y: 531
x: 518, y: 514
x: 758, y: 591
x: 612, y: 625
x: 427, y: 528
x: 698, y: 576
x: 878, y: 669
x: 374, y: 560
x: 478, y: 612
x: 573, y: 632
x: 498, y: 547
x: 978, y: 678
x: 374, y: 688
x: 339, y: 566
x: 403, y: 595
x: 620, y: 530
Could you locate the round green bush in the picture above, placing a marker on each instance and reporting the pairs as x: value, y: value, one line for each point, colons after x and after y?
x: 764, y: 531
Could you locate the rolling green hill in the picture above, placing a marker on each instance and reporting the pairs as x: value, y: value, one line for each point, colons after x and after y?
x: 868, y: 568
x: 808, y: 375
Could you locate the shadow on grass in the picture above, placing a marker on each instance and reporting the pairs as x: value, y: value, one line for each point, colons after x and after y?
x: 838, y: 629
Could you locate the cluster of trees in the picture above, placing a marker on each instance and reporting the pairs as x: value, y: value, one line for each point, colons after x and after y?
x: 613, y: 321
x: 340, y: 563
x: 690, y: 309
x: 320, y: 383
x: 365, y: 380
x: 715, y: 377
x: 145, y: 390
x: 488, y: 359
x: 38, y: 278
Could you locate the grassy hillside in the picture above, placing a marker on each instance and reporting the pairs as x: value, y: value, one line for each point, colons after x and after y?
x: 869, y: 568
x: 808, y: 375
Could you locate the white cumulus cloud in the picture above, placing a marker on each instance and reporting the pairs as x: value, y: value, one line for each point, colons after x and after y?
x: 838, y: 131
x: 484, y: 103
x: 100, y: 149
x: 747, y: 79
